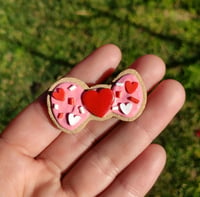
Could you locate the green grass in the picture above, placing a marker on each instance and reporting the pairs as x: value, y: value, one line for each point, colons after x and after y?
x: 41, y: 40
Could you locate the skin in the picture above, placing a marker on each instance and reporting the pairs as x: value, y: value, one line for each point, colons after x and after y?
x: 109, y: 158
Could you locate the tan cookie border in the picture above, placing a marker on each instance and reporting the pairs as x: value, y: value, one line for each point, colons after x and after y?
x: 85, y: 86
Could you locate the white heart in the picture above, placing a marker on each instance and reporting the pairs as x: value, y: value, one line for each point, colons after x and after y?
x: 73, y: 119
x: 126, y: 107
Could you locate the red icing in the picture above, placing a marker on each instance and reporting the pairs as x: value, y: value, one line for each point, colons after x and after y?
x: 98, y: 102
x: 133, y: 99
x: 59, y: 94
x: 118, y: 94
x: 71, y: 101
x: 131, y: 86
x: 60, y: 115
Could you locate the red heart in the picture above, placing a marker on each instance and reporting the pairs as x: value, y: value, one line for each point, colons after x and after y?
x: 98, y: 102
x: 59, y: 94
x: 131, y: 86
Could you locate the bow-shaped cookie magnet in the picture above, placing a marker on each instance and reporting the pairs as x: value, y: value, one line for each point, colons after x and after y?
x: 72, y: 104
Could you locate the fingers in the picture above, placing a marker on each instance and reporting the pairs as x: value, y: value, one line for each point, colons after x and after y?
x: 98, y: 65
x: 164, y: 102
x: 138, y: 178
x: 60, y: 152
x: 152, y: 69
x: 32, y: 130
x: 114, y: 153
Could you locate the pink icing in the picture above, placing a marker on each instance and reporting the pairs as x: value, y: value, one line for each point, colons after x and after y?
x: 138, y: 94
x: 66, y: 108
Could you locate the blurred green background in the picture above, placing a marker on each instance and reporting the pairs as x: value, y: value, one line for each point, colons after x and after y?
x: 41, y: 40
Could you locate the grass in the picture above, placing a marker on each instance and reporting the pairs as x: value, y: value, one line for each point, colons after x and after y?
x: 41, y: 40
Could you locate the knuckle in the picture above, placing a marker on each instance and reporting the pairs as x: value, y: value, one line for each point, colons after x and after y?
x: 105, y: 164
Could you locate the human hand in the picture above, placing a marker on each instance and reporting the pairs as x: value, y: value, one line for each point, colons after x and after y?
x: 109, y: 158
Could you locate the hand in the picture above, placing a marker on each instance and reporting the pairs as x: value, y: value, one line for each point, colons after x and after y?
x: 109, y: 158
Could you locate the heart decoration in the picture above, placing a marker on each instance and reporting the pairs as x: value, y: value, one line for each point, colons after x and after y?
x: 73, y: 119
x: 126, y: 107
x: 98, y: 102
x: 131, y: 86
x: 59, y: 94
x: 124, y: 99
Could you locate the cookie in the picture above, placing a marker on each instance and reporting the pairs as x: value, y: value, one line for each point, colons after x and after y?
x: 72, y: 104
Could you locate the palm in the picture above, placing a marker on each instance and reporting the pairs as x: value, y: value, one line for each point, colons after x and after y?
x: 107, y: 158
